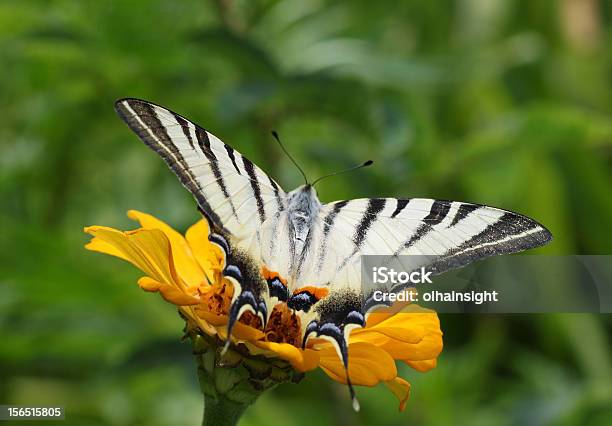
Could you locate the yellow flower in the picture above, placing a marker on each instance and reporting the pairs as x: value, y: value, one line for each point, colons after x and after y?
x: 186, y: 271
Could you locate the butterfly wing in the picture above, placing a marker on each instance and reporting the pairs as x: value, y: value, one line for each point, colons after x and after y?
x: 443, y: 234
x: 245, y: 206
x: 235, y: 195
x: 446, y: 234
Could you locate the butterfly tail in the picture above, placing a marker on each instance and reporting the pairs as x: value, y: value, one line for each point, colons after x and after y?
x: 335, y: 326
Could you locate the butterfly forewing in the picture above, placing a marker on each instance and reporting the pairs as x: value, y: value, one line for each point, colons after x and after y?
x: 449, y: 234
x: 234, y: 194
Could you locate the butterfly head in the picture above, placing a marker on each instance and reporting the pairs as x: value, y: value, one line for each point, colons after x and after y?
x: 304, y: 199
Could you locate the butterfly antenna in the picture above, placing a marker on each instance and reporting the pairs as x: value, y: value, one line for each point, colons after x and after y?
x: 350, y: 169
x: 289, y: 155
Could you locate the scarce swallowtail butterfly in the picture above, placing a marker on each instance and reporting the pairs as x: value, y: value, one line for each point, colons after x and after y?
x: 288, y: 247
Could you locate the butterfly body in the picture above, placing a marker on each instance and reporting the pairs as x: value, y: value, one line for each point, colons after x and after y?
x: 303, y: 207
x: 290, y: 248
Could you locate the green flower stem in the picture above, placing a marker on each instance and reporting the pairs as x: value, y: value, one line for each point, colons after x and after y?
x: 221, y: 411
x: 233, y: 381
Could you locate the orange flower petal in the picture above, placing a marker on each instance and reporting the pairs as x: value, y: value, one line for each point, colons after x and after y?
x: 208, y: 255
x: 409, y: 315
x: 202, y: 324
x: 407, y: 333
x: 169, y: 292
x: 422, y: 366
x: 428, y: 348
x: 110, y: 241
x: 212, y: 318
x: 184, y: 261
x: 148, y: 250
x: 102, y: 246
x: 368, y: 364
x: 301, y: 360
x: 411, y: 336
x: 401, y: 389
x: 383, y: 313
x: 241, y: 332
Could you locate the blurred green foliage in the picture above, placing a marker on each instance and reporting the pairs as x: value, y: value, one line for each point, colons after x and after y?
x: 499, y: 102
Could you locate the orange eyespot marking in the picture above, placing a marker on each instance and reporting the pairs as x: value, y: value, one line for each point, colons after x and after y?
x: 318, y: 292
x: 270, y: 275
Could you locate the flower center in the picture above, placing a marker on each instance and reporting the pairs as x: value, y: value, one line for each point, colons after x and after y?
x: 283, y: 326
x: 218, y: 298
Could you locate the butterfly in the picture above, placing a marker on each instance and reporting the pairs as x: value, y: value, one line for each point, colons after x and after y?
x: 289, y: 247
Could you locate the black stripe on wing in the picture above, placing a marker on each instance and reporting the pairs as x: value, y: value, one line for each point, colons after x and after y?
x: 255, y: 186
x: 230, y: 154
x: 462, y: 212
x: 375, y: 206
x: 401, y: 205
x: 373, y: 209
x: 328, y: 223
x: 141, y: 117
x: 511, y: 233
x: 276, y: 189
x: 204, y: 143
x: 420, y: 232
x: 438, y: 212
x: 185, y: 126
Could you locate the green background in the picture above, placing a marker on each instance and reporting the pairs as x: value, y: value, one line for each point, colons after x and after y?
x: 507, y: 103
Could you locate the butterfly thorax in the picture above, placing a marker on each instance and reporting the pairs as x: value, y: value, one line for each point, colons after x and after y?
x: 302, y: 208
